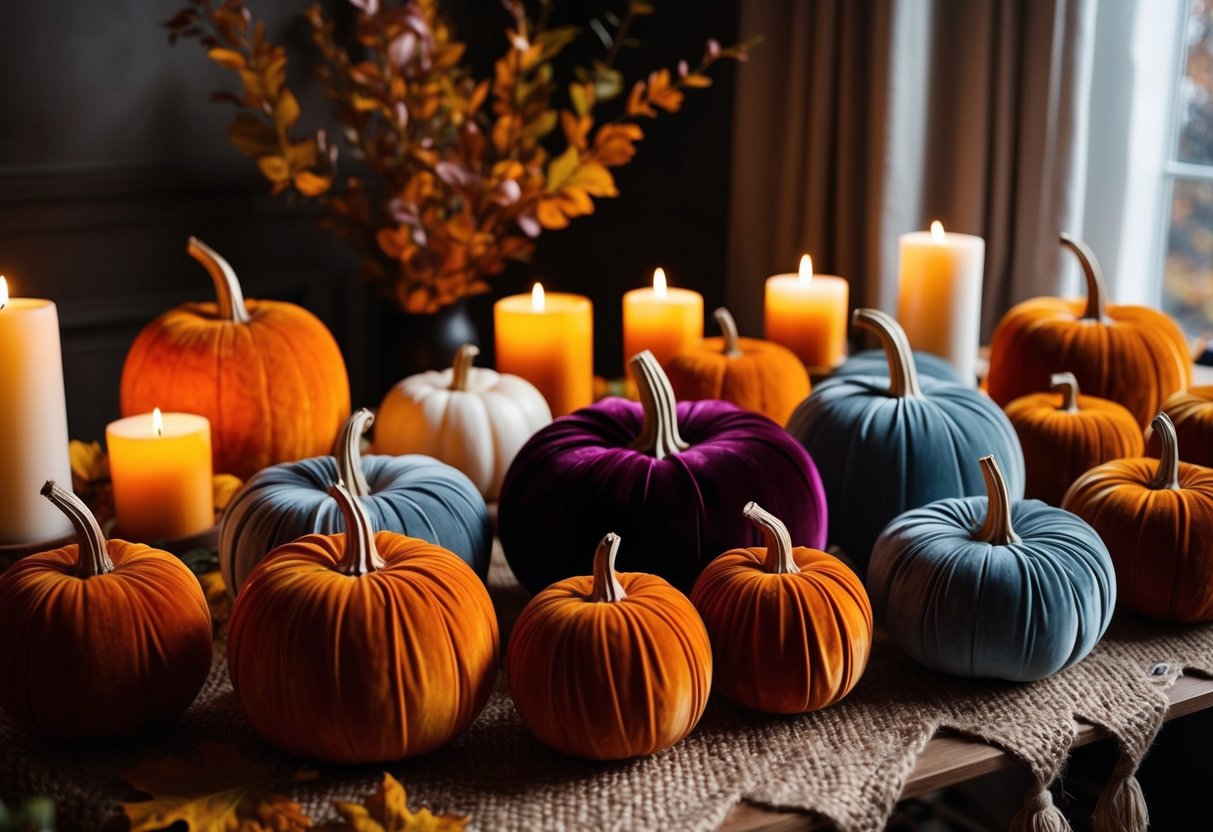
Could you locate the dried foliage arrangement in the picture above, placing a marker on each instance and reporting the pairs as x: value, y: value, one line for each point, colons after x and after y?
x: 458, y: 174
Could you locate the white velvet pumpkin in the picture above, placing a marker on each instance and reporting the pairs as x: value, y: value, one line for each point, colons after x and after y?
x: 471, y: 418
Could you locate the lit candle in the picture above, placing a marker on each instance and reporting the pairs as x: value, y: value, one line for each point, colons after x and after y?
x: 33, y: 420
x: 661, y: 319
x: 160, y: 465
x: 548, y: 339
x: 807, y: 313
x: 940, y: 296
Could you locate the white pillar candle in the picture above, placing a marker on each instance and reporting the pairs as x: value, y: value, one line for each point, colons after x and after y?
x: 940, y: 295
x: 33, y: 420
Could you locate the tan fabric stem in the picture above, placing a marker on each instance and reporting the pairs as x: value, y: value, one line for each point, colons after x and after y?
x: 903, y: 373
x: 462, y: 365
x: 606, y: 583
x: 779, y: 558
x: 347, y: 450
x: 1067, y: 385
x: 997, y: 526
x: 360, y: 556
x: 658, y: 435
x: 728, y: 328
x: 1167, y: 475
x: 228, y: 295
x: 94, y: 556
x: 1093, y: 274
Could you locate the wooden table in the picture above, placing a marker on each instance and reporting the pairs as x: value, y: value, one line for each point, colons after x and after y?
x: 948, y: 760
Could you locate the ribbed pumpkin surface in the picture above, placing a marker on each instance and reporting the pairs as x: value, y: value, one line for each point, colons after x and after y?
x: 764, y: 377
x: 1192, y: 412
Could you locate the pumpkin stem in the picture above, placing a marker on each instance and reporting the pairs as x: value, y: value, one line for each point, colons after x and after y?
x: 347, y: 451
x: 228, y: 294
x: 462, y: 365
x: 658, y: 435
x: 1067, y: 385
x: 606, y: 583
x: 728, y: 328
x: 997, y: 526
x: 903, y: 372
x: 93, y: 555
x: 1167, y: 475
x: 779, y: 560
x: 1093, y: 274
x: 360, y: 556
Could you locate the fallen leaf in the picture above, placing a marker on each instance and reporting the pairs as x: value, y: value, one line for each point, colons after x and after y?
x: 226, y: 793
x: 387, y: 810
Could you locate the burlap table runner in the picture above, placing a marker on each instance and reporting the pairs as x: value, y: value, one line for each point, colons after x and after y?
x: 848, y: 762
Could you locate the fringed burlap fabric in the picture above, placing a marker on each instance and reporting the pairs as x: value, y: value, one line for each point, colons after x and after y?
x: 848, y: 762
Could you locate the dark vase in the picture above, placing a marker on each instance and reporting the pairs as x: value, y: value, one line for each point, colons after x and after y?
x: 412, y: 343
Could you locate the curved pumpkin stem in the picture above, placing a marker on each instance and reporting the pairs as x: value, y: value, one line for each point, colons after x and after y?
x: 360, y: 556
x: 903, y: 373
x: 1094, y: 275
x: 1167, y: 475
x: 228, y: 294
x: 779, y: 560
x: 93, y: 554
x: 462, y: 365
x: 997, y: 526
x: 606, y: 583
x: 728, y: 328
x: 658, y: 435
x: 1067, y: 385
x: 347, y: 450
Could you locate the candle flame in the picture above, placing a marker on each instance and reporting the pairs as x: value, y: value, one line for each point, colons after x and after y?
x: 538, y: 300
x: 659, y: 283
x: 937, y: 235
x: 3, y: 291
x: 806, y: 268
x: 157, y: 422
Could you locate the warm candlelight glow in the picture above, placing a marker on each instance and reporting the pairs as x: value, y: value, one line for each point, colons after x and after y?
x: 157, y: 422
x: 538, y: 301
x: 806, y: 268
x: 3, y: 291
x: 937, y: 234
x: 659, y: 283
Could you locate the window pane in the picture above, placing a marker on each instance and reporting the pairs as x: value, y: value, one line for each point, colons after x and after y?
x: 1196, y: 87
x: 1188, y: 279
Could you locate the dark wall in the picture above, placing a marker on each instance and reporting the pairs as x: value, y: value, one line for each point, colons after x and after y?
x: 111, y: 156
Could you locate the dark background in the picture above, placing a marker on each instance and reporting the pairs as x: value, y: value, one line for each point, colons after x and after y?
x: 111, y: 156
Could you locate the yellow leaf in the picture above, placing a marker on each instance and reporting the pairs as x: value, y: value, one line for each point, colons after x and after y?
x: 217, y: 599
x: 274, y: 168
x: 227, y: 58
x: 387, y: 810
x: 89, y: 462
x: 226, y: 792
x: 697, y: 81
x: 225, y: 487
x: 562, y: 167
x: 286, y: 111
x: 364, y: 104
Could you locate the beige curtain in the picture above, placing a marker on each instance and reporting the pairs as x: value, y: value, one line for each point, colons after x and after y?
x: 857, y: 120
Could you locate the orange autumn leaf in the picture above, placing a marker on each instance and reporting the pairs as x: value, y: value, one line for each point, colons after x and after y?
x: 226, y: 793
x: 662, y: 94
x: 387, y: 810
x: 227, y: 58
x: 575, y: 128
x: 310, y: 184
x: 571, y: 181
x: 615, y: 144
x: 638, y: 104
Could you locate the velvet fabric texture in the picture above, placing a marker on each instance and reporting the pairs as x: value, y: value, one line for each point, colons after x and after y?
x: 577, y: 479
x: 875, y: 363
x: 412, y: 495
x: 1020, y: 611
x: 1191, y: 411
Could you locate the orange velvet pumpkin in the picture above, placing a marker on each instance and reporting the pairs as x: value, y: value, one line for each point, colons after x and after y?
x: 756, y: 375
x: 1065, y: 434
x: 610, y: 666
x: 1132, y: 355
x: 1191, y: 411
x: 102, y: 638
x: 267, y: 374
x: 791, y: 628
x: 362, y: 647
x: 1156, y: 517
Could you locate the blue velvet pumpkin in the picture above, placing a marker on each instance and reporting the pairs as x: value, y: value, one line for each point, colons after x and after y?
x: 874, y: 363
x: 413, y: 495
x: 990, y: 587
x: 887, y: 443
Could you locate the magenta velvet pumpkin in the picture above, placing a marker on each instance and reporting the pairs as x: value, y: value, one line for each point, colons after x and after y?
x: 670, y: 479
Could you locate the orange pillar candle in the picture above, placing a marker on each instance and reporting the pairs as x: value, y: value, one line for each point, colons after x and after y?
x: 548, y: 339
x: 807, y: 313
x: 661, y: 319
x: 160, y: 466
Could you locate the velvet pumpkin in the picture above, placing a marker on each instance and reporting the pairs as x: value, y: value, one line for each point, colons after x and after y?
x: 1132, y: 355
x: 993, y: 587
x: 1191, y: 411
x: 471, y: 418
x: 756, y: 375
x: 672, y: 479
x: 610, y: 666
x: 885, y: 444
x: 100, y: 639
x: 875, y: 363
x: 1157, y: 518
x: 362, y: 647
x: 791, y: 628
x: 1065, y: 434
x: 411, y: 495
x: 268, y: 375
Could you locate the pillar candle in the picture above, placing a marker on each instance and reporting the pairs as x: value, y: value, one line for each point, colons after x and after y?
x: 548, y: 339
x: 940, y: 295
x: 160, y: 466
x: 807, y: 313
x: 661, y: 319
x: 33, y: 420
